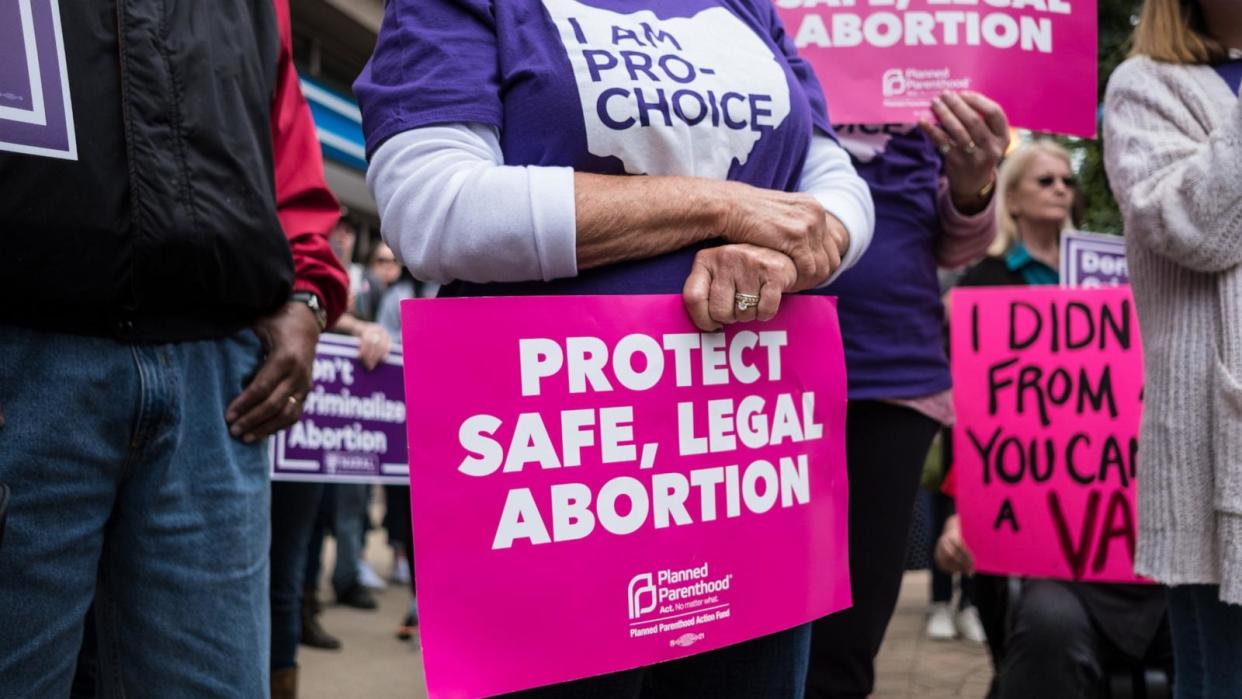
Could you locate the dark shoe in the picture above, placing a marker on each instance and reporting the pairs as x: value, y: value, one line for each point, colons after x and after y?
x: 406, y: 630
x: 313, y: 634
x: 285, y: 683
x: 357, y: 597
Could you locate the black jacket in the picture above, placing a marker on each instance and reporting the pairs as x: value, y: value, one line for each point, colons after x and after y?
x: 165, y: 226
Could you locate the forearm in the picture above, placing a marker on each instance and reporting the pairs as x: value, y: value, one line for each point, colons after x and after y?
x: 628, y: 218
x: 829, y: 176
x: 349, y: 324
x: 964, y: 237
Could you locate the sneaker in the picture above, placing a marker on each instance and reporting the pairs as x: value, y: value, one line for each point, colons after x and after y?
x: 367, y: 577
x: 357, y: 597
x: 401, y: 571
x: 940, y: 622
x: 969, y: 626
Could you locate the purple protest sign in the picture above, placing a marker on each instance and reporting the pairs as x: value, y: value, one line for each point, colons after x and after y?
x: 1090, y: 260
x: 36, y: 114
x: 353, y: 421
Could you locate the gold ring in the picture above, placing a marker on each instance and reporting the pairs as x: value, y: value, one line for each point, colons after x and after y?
x: 745, y: 302
x: 970, y: 148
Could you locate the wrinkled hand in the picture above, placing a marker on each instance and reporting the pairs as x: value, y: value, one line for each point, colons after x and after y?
x: 273, y: 400
x: 790, y: 223
x: 373, y: 343
x: 973, y: 136
x: 720, y: 273
x: 951, y: 554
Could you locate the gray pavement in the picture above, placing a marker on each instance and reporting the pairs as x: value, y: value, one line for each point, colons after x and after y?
x: 375, y: 665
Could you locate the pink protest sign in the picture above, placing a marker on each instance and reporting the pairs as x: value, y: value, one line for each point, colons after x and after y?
x: 1048, y: 386
x: 598, y: 486
x: 881, y: 61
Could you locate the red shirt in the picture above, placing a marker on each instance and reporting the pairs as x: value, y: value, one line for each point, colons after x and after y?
x: 306, y: 207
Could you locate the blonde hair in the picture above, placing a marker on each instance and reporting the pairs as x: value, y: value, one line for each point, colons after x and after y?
x: 1173, y: 31
x: 1011, y: 172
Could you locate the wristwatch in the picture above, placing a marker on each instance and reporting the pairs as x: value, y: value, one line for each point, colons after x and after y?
x: 312, y: 302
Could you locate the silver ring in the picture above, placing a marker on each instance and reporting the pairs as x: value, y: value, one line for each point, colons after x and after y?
x: 745, y: 302
x: 945, y: 148
x: 970, y: 148
x: 294, y: 400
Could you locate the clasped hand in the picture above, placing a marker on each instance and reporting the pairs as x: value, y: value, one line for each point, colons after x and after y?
x: 777, y: 243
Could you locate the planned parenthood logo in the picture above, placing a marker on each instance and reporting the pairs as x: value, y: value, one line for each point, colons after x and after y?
x: 675, y: 600
x: 894, y: 82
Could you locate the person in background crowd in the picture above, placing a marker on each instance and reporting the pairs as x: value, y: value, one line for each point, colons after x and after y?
x: 383, y: 266
x: 933, y: 190
x: 358, y: 320
x: 383, y: 272
x: 942, y: 623
x: 343, y: 507
x: 1057, y: 638
x: 495, y: 120
x: 304, y: 203
x: 397, y: 498
x: 1173, y: 151
x: 166, y: 323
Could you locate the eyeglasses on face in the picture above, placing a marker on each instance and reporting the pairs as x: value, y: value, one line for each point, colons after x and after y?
x: 1048, y: 180
x: 386, y: 260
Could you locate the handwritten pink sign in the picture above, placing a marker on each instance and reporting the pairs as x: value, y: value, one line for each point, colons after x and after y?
x: 597, y: 486
x: 881, y: 61
x: 1048, y: 386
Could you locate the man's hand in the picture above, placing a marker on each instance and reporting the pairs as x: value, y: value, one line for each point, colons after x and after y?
x: 790, y: 223
x: 951, y: 555
x: 273, y: 400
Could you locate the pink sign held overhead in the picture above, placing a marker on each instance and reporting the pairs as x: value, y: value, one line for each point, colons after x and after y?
x: 882, y: 61
x: 1048, y: 387
x: 598, y: 486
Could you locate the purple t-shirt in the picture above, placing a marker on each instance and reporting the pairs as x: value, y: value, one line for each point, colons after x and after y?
x: 1231, y: 71
x: 891, y: 313
x: 705, y: 88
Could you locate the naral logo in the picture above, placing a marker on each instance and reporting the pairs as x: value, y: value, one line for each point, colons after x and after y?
x: 894, y: 82
x: 642, y: 586
x: 686, y: 640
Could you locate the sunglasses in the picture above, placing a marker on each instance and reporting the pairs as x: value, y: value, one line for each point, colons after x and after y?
x: 1048, y: 180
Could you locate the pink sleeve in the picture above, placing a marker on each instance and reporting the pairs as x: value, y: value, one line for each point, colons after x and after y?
x: 964, y: 239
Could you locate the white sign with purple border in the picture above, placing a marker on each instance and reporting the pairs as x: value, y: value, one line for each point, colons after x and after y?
x: 36, y: 113
x: 353, y: 421
x: 1090, y: 260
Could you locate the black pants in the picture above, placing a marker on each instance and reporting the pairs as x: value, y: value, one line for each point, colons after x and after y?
x: 1053, y: 649
x: 885, y: 446
x: 294, y: 508
x: 942, y: 509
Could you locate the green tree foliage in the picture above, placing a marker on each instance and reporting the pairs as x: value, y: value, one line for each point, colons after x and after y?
x: 1117, y: 19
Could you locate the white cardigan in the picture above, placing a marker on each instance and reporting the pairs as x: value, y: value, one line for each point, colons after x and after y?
x: 1173, y: 150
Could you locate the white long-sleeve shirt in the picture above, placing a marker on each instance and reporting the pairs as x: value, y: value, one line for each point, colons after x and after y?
x: 452, y: 210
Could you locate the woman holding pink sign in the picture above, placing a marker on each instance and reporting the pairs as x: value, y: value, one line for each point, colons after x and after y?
x: 934, y: 187
x: 1173, y: 149
x: 501, y: 140
x: 1056, y: 638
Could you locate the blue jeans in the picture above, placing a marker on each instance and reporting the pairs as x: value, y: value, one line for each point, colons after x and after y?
x: 350, y: 530
x: 1207, y: 643
x: 128, y: 490
x: 771, y: 667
